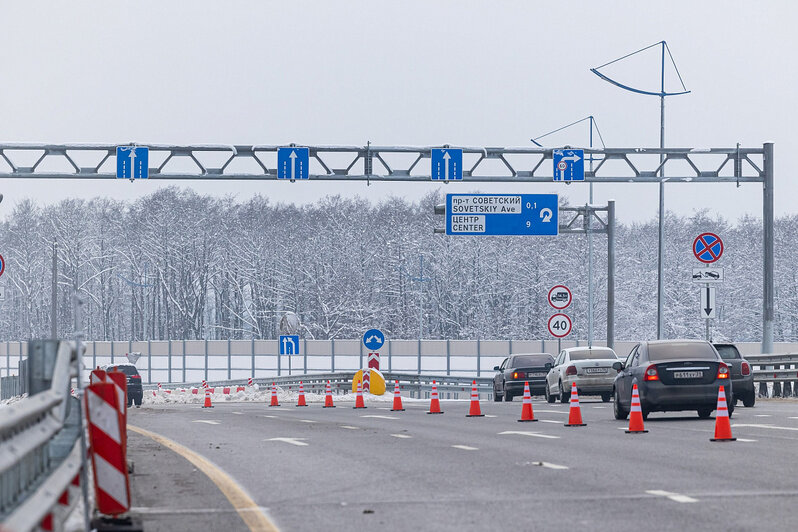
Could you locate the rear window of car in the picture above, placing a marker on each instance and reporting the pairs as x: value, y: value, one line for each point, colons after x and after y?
x: 592, y: 354
x: 728, y: 352
x: 127, y: 370
x: 531, y: 360
x: 680, y: 350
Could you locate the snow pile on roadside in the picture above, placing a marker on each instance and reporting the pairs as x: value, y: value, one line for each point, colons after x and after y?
x: 256, y: 396
x: 12, y: 400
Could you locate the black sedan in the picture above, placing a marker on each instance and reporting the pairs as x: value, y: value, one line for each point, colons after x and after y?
x: 135, y: 392
x: 741, y: 375
x: 672, y: 375
x: 517, y: 369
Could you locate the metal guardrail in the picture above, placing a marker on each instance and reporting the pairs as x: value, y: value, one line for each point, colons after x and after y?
x: 39, y: 448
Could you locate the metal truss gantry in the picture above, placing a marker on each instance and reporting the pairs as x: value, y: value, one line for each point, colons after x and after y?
x: 406, y: 163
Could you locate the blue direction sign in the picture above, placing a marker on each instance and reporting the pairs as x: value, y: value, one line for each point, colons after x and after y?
x: 501, y: 214
x: 293, y: 163
x: 289, y: 344
x: 373, y: 339
x: 569, y: 165
x: 132, y: 162
x: 447, y: 164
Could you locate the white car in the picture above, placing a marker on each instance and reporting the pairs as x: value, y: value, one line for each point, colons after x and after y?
x: 589, y: 367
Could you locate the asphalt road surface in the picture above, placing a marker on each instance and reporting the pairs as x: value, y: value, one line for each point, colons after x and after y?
x: 343, y: 469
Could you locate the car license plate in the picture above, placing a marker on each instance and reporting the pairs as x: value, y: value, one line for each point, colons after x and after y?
x: 537, y: 374
x: 687, y: 374
x: 595, y: 370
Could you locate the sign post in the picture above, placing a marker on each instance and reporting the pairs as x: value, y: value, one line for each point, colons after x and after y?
x: 708, y: 248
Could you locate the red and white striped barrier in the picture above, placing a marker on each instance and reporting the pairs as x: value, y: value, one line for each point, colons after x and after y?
x: 111, y: 482
x: 249, y: 381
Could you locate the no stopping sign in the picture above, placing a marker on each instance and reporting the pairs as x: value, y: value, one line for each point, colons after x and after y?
x: 560, y: 325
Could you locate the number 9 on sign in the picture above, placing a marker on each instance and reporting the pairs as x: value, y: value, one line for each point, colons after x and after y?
x: 560, y: 325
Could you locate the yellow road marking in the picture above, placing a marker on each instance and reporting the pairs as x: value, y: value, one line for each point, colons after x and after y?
x: 247, y: 510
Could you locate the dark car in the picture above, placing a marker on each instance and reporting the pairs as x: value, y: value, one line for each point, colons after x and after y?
x: 741, y: 375
x: 517, y: 369
x: 672, y: 375
x: 135, y: 392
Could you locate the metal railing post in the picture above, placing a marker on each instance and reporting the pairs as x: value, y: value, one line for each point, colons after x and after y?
x: 253, y: 357
x: 184, y: 360
x: 169, y: 361
x: 229, y: 361
x: 305, y: 355
x: 419, y: 356
x: 611, y: 274
x: 332, y: 355
x: 149, y: 361
x: 768, y: 287
x: 479, y: 356
x: 448, y: 358
x: 206, y: 360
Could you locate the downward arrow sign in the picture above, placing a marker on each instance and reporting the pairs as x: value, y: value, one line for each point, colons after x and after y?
x: 708, y: 308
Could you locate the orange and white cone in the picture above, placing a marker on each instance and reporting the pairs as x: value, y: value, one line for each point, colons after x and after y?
x: 575, y: 413
x: 722, y: 426
x: 328, y: 401
x: 434, y: 403
x: 636, y: 414
x: 207, y: 399
x: 301, y: 400
x: 274, y: 401
x: 397, y: 398
x: 474, y: 411
x: 359, y: 400
x: 527, y: 414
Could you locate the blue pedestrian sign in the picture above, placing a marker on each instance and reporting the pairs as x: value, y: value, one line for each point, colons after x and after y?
x: 289, y: 344
x: 293, y: 163
x: 373, y: 339
x: 132, y: 162
x: 447, y: 164
x: 502, y: 214
x: 569, y: 165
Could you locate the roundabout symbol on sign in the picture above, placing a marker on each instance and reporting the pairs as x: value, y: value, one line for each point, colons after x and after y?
x: 560, y: 297
x: 560, y: 325
x: 707, y: 247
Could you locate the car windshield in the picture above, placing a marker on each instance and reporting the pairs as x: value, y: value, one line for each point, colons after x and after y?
x: 593, y: 354
x: 530, y: 360
x: 680, y: 350
x: 127, y: 370
x: 728, y: 352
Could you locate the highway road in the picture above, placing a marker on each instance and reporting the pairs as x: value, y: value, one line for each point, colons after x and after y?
x: 344, y: 469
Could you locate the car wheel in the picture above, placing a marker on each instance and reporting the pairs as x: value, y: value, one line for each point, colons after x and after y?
x: 563, y: 397
x: 508, y: 397
x: 645, y: 413
x: 749, y: 400
x: 731, y: 409
x: 705, y: 412
x: 617, y: 409
x: 606, y: 397
x: 734, y: 401
x: 549, y: 398
x: 496, y: 397
x: 138, y: 400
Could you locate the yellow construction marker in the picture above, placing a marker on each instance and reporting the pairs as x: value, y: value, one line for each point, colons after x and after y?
x: 247, y: 510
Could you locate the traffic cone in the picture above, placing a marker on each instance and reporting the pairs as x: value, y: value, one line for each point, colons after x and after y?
x: 575, y: 413
x: 434, y: 403
x: 722, y: 427
x: 636, y: 414
x: 397, y: 398
x: 328, y: 402
x: 526, y: 410
x: 474, y: 411
x: 207, y: 399
x: 274, y: 401
x: 359, y: 401
x: 301, y: 400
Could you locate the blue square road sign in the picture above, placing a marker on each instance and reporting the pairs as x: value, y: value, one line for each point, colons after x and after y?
x: 132, y: 162
x: 447, y: 164
x: 289, y: 344
x: 569, y: 165
x: 293, y: 163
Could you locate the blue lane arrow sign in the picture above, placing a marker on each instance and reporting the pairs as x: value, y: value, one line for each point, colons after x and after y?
x: 289, y: 344
x: 569, y: 165
x: 293, y: 163
x: 447, y: 164
x: 132, y: 162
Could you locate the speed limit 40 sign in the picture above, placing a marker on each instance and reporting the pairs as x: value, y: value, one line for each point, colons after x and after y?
x: 560, y: 325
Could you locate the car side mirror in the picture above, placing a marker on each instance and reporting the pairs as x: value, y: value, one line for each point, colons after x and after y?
x: 548, y: 365
x: 495, y: 368
x: 617, y: 366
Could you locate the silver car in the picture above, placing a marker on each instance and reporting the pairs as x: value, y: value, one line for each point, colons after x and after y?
x: 589, y: 367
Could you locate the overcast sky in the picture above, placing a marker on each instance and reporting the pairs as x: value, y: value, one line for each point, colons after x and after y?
x: 492, y: 73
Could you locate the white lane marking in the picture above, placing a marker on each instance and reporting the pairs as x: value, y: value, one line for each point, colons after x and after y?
x: 550, y: 421
x: 533, y: 434
x: 381, y: 417
x: 793, y: 418
x: 350, y: 427
x: 401, y: 436
x: 768, y: 415
x: 755, y: 426
x: 293, y: 441
x: 550, y: 465
x: 270, y: 417
x: 489, y: 415
x: 306, y: 421
x: 599, y: 407
x: 745, y: 440
x: 465, y: 447
x: 208, y: 421
x: 672, y: 496
x: 238, y: 413
x: 383, y: 408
